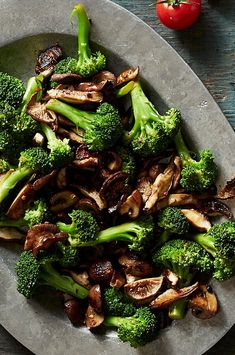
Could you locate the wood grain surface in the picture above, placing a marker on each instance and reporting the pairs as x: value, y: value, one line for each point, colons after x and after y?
x: 209, y: 48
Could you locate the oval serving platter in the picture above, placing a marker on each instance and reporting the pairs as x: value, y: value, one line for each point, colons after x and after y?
x: 28, y: 26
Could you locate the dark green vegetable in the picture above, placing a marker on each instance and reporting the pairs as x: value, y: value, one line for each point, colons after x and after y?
x: 220, y: 243
x: 102, y: 128
x: 128, y: 162
x: 196, y: 175
x: 151, y: 132
x: 68, y: 256
x: 11, y: 90
x: 33, y: 272
x: 138, y: 329
x: 117, y: 303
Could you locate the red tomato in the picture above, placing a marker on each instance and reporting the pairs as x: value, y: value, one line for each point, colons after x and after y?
x: 177, y: 14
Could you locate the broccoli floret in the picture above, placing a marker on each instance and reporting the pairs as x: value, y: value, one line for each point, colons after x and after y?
x: 84, y: 231
x: 151, y: 133
x: 196, y: 175
x: 220, y: 243
x: 102, y: 128
x: 117, y: 303
x: 4, y: 165
x: 33, y: 272
x: 186, y: 259
x: 61, y: 153
x: 88, y: 63
x: 31, y: 160
x: 173, y: 221
x: 128, y: 162
x: 37, y: 213
x: 138, y: 329
x: 11, y: 90
x: 69, y: 256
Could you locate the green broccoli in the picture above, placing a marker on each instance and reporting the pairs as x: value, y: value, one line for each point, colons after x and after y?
x: 84, y: 231
x: 128, y: 162
x: 31, y: 160
x: 37, y: 213
x: 102, y: 128
x: 151, y: 132
x: 173, y: 221
x: 196, y: 175
x: 220, y: 243
x: 68, y: 255
x: 4, y: 164
x: 117, y: 303
x: 61, y: 153
x: 185, y: 259
x: 33, y: 272
x: 138, y: 329
x: 88, y: 63
x: 11, y: 90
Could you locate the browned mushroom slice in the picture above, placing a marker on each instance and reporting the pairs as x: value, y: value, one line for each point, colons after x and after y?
x: 197, y: 219
x: 170, y: 296
x: 94, y: 195
x: 113, y: 188
x: 74, y: 137
x: 75, y: 311
x: 228, y: 191
x: 88, y: 205
x: 216, y: 208
x: 40, y: 113
x: 90, y: 86
x: 84, y: 158
x: 62, y: 200
x: 161, y: 186
x: 42, y: 236
x: 177, y: 175
x: 204, y: 303
x: 127, y: 75
x: 134, y: 265
x: 11, y: 235
x: 26, y: 194
x: 145, y: 290
x: 171, y: 278
x: 118, y: 280
x: 75, y: 97
x: 67, y: 78
x: 101, y: 271
x: 144, y: 186
x: 81, y: 278
x: 132, y: 205
x: 95, y: 298
x: 47, y: 59
x: 105, y: 75
x: 115, y: 161
x: 179, y: 199
x: 93, y: 319
x: 154, y: 171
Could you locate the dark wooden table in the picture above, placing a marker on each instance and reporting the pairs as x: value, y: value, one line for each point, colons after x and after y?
x: 209, y: 48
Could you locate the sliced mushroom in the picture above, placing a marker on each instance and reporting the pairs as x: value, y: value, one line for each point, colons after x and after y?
x: 87, y: 204
x: 11, y: 235
x: 113, y: 188
x: 145, y: 290
x: 216, y: 208
x: 133, y: 264
x: 171, y: 278
x: 82, y: 278
x: 90, y: 86
x: 204, y: 303
x: 144, y: 186
x: 42, y: 236
x: 197, y: 219
x: 67, y: 78
x: 47, y: 59
x: 63, y: 200
x: 127, y: 75
x: 40, y: 113
x: 117, y: 280
x: 228, y: 191
x: 61, y: 178
x: 132, y: 205
x: 114, y: 161
x: 94, y: 195
x: 131, y: 278
x: 95, y: 298
x: 170, y: 296
x: 75, y: 311
x: 74, y: 137
x: 75, y: 97
x: 177, y: 199
x: 84, y: 159
x: 101, y: 271
x: 105, y: 75
x: 177, y: 175
x: 93, y: 319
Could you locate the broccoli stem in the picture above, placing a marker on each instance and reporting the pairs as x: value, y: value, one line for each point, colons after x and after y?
x: 49, y: 133
x: 11, y: 180
x: 178, y: 309
x: 13, y: 223
x: 84, y: 51
x: 78, y: 117
x: 206, y: 241
x: 182, y: 148
x: 51, y: 277
x: 163, y: 238
x: 33, y: 86
x: 113, y: 321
